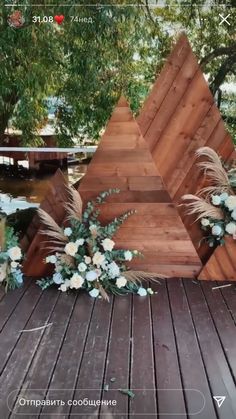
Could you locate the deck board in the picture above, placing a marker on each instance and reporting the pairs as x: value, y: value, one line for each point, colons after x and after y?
x: 182, y: 337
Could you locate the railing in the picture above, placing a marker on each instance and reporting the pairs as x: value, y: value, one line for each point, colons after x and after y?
x: 86, y: 149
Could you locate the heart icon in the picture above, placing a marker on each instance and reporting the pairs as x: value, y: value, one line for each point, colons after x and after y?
x: 59, y: 19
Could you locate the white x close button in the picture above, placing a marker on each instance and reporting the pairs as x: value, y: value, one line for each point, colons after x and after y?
x: 224, y: 19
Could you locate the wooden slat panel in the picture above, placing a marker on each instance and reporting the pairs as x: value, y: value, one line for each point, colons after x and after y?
x: 210, y: 342
x: 143, y: 191
x: 17, y: 366
x: 142, y: 379
x: 168, y: 377
x: 176, y: 121
x: 37, y: 381
x: 190, y: 356
x: 118, y: 367
x: 53, y: 203
x: 222, y: 264
x: 171, y: 69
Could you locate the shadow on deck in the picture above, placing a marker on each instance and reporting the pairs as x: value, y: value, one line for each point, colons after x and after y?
x: 181, y: 337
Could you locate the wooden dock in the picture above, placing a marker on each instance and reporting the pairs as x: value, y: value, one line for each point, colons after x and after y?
x: 175, y: 350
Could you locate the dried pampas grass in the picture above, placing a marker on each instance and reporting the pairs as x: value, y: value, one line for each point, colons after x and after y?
x: 53, y: 230
x: 215, y: 171
x: 201, y: 207
x: 74, y: 207
x: 138, y: 276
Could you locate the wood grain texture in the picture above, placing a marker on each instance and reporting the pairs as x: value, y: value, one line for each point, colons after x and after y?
x: 123, y: 160
x: 33, y: 242
x: 177, y: 118
x: 222, y: 264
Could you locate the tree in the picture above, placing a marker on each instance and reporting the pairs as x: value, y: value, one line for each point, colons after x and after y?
x: 104, y: 51
x: 30, y: 66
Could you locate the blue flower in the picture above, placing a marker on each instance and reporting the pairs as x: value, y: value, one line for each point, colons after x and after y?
x: 57, y: 278
x: 19, y: 276
x: 67, y: 231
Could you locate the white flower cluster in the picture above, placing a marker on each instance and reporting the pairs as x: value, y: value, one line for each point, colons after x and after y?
x: 89, y: 259
x: 227, y: 226
x: 91, y: 268
x: 11, y: 265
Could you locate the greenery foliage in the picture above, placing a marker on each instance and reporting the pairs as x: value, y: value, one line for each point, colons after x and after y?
x: 10, y: 256
x: 84, y: 256
x: 107, y: 51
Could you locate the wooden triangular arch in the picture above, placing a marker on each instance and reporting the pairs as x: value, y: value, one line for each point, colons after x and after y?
x: 33, y: 242
x: 178, y: 117
x: 123, y: 161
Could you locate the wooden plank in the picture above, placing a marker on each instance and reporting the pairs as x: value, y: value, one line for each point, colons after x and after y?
x: 191, y: 363
x: 142, y: 381
x: 205, y: 317
x: 167, y: 368
x: 118, y: 358
x: 163, y: 83
x: 18, y: 364
x: 90, y: 384
x: 130, y: 196
x: 66, y: 371
x: 9, y: 302
x: 171, y: 101
x: 37, y: 379
x: 132, y: 183
x: 17, y: 322
x: 224, y: 324
x: 229, y: 295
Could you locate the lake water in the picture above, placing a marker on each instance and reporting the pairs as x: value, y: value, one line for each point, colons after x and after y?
x: 21, y: 193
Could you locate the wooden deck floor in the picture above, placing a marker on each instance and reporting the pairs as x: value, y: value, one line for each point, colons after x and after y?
x: 183, y: 337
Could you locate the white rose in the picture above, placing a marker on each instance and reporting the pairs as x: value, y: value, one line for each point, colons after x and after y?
x: 87, y: 259
x: 14, y: 253
x: 79, y: 242
x: 98, y: 258
x: 128, y: 255
x: 216, y: 230
x: 51, y: 259
x: 67, y: 231
x: 113, y: 270
x: 121, y: 282
x: 224, y: 196
x: 142, y: 292
x: 108, y: 244
x: 230, y: 202
x: 150, y: 291
x: 215, y: 199
x: 93, y: 230
x: 205, y: 222
x: 94, y: 292
x: 3, y: 272
x: 71, y: 248
x: 64, y: 287
x: 231, y: 228
x: 82, y: 267
x: 76, y: 281
x: 233, y: 214
x: 91, y: 276
x: 14, y: 264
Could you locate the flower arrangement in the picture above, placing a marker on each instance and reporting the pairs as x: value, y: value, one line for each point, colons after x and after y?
x: 84, y: 255
x: 215, y: 205
x: 11, y: 275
